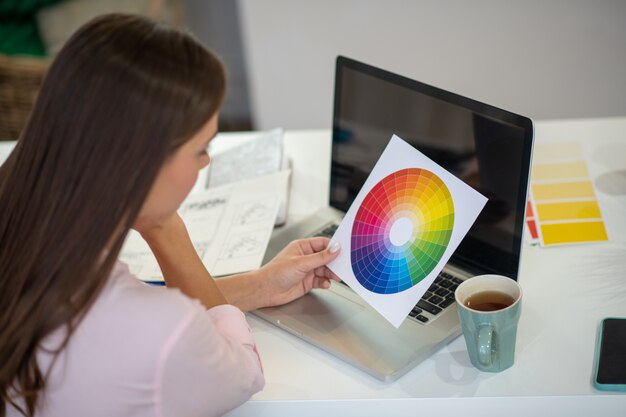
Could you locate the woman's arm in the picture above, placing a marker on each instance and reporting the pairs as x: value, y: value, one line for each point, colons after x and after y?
x: 297, y: 269
x: 291, y: 274
x: 181, y: 266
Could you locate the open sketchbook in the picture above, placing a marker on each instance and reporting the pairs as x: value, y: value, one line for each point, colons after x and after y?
x: 230, y: 227
x: 261, y: 155
x: 232, y: 209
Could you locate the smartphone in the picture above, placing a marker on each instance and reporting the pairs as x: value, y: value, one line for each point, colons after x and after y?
x: 610, y: 366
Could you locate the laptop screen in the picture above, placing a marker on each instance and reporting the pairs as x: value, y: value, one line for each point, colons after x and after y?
x: 486, y: 147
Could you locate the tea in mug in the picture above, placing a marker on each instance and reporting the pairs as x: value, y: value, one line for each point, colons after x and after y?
x: 489, y: 301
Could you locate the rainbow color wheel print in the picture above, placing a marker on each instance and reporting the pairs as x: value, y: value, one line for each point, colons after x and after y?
x: 401, y: 230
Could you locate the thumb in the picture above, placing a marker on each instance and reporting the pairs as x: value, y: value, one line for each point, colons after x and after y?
x: 315, y: 260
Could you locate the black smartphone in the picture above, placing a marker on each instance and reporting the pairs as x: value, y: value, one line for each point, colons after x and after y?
x: 610, y: 369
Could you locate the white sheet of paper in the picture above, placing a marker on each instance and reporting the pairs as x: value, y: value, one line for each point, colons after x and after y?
x: 261, y: 156
x: 386, y: 238
x: 230, y: 227
x: 5, y: 150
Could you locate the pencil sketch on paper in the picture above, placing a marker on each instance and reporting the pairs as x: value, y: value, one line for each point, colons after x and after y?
x: 229, y: 226
x: 202, y: 247
x: 255, y: 211
x: 207, y: 203
x: 202, y: 215
x: 244, y: 244
x: 261, y: 156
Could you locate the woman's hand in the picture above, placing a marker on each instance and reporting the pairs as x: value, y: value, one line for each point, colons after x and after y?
x: 297, y: 269
x: 149, y: 227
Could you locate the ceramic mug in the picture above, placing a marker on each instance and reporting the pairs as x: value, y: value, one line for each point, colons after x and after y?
x: 489, y: 307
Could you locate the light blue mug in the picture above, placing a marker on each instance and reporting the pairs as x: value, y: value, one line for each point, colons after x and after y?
x: 489, y: 307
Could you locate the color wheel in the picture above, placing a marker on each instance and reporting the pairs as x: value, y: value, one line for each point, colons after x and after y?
x: 401, y: 230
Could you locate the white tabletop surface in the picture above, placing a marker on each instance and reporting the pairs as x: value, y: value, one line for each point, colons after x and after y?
x: 567, y: 291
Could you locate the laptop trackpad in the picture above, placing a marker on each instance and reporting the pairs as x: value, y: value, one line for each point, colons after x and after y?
x: 339, y: 324
x: 319, y: 310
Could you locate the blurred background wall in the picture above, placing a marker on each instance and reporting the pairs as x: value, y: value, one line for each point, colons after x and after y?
x: 545, y: 59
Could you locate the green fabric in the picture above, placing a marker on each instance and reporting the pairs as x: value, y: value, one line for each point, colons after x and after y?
x: 19, y: 33
x: 25, y: 8
x: 21, y: 38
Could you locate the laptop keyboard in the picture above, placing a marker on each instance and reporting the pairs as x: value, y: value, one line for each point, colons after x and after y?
x: 439, y: 296
x: 328, y: 231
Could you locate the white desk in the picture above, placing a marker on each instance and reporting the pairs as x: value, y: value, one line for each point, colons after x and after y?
x: 567, y: 291
x: 556, y: 339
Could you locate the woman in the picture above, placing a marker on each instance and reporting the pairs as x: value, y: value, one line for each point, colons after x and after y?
x: 115, y: 141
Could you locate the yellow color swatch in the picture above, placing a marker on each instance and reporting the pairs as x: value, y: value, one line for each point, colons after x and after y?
x: 559, y: 171
x: 556, y: 233
x: 574, y: 189
x: 561, y: 151
x: 568, y: 211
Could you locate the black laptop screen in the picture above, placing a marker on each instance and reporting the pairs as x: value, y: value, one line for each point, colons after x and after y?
x: 486, y: 147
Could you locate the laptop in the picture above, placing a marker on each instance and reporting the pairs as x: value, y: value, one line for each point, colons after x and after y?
x: 486, y: 147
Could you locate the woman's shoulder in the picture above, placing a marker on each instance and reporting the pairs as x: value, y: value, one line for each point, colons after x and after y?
x: 134, y: 303
x: 125, y: 336
x: 130, y: 322
x: 130, y: 317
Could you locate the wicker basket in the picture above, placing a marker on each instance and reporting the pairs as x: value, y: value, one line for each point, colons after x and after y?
x: 20, y: 79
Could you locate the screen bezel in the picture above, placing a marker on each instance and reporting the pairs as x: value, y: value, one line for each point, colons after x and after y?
x: 510, y: 259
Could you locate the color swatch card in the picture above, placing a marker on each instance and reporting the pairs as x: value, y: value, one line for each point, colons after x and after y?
x: 402, y: 228
x: 531, y: 233
x: 563, y: 199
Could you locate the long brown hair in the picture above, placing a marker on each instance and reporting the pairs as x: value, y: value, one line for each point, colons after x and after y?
x: 122, y: 95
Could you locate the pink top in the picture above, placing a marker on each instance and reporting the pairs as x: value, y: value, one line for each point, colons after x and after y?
x: 151, y: 351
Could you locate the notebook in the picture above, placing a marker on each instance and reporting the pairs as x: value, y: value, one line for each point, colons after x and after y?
x: 486, y: 147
